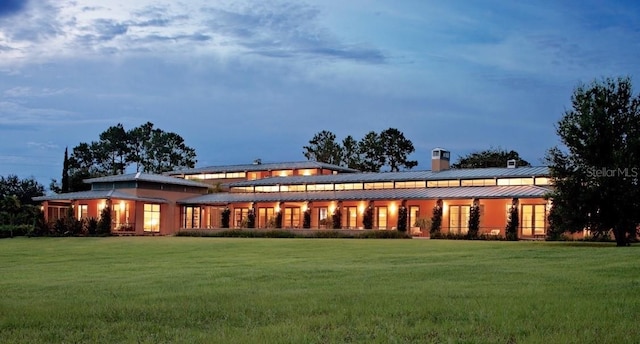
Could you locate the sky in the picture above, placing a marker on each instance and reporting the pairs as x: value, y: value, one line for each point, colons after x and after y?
x: 245, y: 80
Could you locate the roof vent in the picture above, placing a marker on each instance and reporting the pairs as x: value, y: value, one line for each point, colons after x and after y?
x: 511, y: 163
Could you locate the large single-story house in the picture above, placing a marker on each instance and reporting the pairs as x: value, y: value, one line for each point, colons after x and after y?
x: 197, y: 198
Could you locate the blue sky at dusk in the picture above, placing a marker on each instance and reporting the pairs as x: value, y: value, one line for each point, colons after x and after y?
x: 241, y: 80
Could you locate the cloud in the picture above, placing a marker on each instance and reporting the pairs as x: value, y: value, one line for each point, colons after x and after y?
x: 23, y: 92
x: 285, y: 30
x: 14, y: 114
x: 47, y: 31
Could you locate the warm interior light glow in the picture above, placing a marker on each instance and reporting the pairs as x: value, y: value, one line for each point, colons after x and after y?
x: 361, y: 208
x: 277, y: 208
x: 332, y: 208
x: 154, y: 224
x: 283, y: 174
x: 392, y: 208
x: 121, y: 205
x: 306, y: 173
x: 445, y: 206
x: 304, y: 207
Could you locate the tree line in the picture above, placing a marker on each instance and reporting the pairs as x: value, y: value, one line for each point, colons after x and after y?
x: 145, y: 148
x: 374, y: 151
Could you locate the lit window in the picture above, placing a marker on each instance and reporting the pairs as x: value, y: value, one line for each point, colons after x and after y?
x: 443, y: 183
x: 83, y: 211
x: 152, y: 217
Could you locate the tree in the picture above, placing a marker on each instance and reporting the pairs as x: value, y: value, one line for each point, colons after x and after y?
x: 492, y: 157
x: 513, y: 222
x: 167, y: 151
x: 402, y: 217
x: 351, y: 153
x: 396, y: 148
x: 372, y: 152
x: 367, y: 217
x: 474, y: 220
x: 23, y: 189
x: 151, y: 150
x: 436, y: 219
x: 323, y: 148
x: 104, y: 223
x: 596, y: 177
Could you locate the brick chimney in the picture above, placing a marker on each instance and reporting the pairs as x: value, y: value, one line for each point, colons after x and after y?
x: 440, y: 159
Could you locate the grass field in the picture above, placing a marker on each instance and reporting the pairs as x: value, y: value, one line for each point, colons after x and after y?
x: 206, y: 290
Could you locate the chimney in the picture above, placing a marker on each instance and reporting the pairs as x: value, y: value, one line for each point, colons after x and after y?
x: 511, y: 163
x: 439, y: 159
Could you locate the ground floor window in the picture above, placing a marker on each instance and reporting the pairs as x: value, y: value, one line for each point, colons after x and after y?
x: 213, y: 217
x: 459, y: 219
x: 83, y: 211
x: 291, y: 218
x: 414, y: 214
x: 121, y: 217
x: 351, y: 215
x: 533, y: 219
x: 381, y: 217
x: 55, y: 212
x: 240, y: 217
x: 152, y: 217
x: 323, y: 217
x: 191, y: 217
x: 266, y: 218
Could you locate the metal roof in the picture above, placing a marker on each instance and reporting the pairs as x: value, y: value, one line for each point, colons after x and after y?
x: 468, y: 173
x: 523, y: 191
x: 146, y: 177
x: 262, y: 167
x: 98, y: 194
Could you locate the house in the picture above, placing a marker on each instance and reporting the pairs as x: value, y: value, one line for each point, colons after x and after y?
x: 141, y: 203
x: 197, y: 198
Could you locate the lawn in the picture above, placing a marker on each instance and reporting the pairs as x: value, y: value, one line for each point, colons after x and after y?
x: 228, y: 290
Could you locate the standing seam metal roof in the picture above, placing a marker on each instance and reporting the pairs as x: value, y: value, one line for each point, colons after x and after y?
x: 475, y: 173
x: 262, y: 167
x: 524, y: 191
x: 147, y: 177
x: 98, y: 194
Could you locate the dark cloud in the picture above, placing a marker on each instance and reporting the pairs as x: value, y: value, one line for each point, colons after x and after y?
x: 10, y: 7
x: 286, y: 30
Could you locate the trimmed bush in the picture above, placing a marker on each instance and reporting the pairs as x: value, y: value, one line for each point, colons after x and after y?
x: 10, y: 231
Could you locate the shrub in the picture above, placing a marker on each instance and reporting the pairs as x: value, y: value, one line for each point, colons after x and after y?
x: 336, y: 219
x: 436, y: 219
x: 511, y: 230
x: 251, y: 218
x: 306, y: 220
x: 10, y: 231
x: 402, y: 219
x: 225, y: 218
x: 92, y: 226
x: 474, y: 221
x: 367, y: 218
x: 104, y: 224
x: 383, y: 235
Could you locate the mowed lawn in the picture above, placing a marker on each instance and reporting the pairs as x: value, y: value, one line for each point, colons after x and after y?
x: 224, y: 290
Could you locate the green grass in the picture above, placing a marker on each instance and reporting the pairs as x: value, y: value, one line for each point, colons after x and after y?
x: 228, y: 290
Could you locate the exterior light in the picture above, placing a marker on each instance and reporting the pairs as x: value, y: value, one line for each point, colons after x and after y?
x: 392, y: 208
x: 361, y: 208
x: 332, y: 207
x: 122, y: 206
